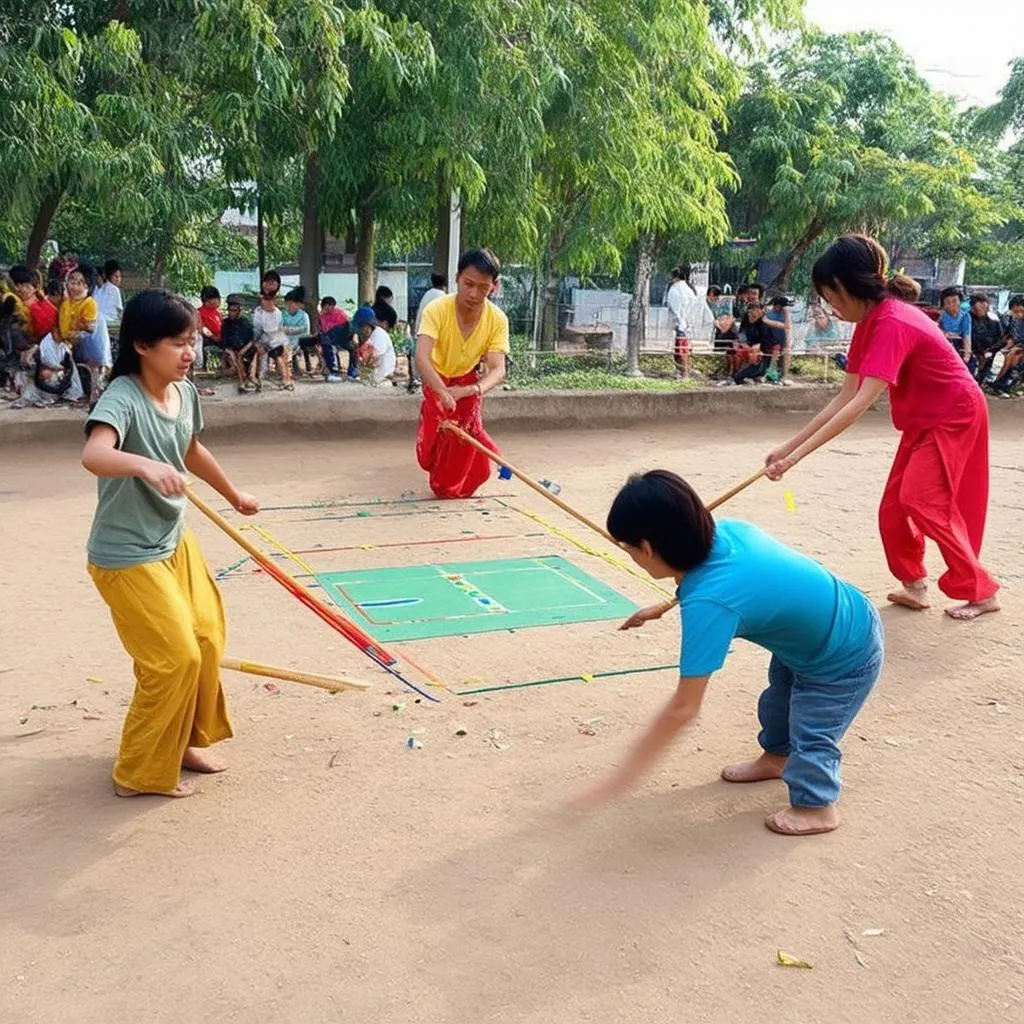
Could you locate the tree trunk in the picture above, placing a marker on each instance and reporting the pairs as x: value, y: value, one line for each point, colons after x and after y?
x: 158, y: 272
x: 639, y: 301
x: 261, y: 241
x: 442, y: 232
x: 311, y: 256
x: 549, y: 325
x: 366, y: 253
x: 41, y: 228
x: 814, y: 231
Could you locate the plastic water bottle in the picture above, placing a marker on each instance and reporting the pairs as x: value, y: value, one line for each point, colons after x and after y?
x: 550, y: 485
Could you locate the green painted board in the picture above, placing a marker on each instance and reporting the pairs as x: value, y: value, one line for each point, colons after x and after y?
x: 424, y: 601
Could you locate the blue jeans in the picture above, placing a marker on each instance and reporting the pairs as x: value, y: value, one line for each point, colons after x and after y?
x: 804, y: 719
x: 335, y: 338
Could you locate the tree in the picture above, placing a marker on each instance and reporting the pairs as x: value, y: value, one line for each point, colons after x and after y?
x: 836, y: 133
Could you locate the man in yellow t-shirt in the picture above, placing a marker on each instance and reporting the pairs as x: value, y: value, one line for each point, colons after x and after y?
x: 460, y: 354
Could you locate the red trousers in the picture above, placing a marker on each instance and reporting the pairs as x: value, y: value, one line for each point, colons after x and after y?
x: 938, y: 488
x: 455, y: 469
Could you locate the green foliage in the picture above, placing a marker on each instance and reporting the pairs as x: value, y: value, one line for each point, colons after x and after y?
x: 837, y: 133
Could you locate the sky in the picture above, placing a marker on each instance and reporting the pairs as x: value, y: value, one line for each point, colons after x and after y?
x: 961, y: 48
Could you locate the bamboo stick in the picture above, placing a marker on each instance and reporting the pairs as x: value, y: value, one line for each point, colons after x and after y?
x: 500, y: 460
x: 291, y: 675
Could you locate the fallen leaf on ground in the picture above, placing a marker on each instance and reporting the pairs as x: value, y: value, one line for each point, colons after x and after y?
x: 791, y: 961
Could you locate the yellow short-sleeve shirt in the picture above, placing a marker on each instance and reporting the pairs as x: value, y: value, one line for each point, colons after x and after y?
x: 75, y: 314
x: 455, y: 355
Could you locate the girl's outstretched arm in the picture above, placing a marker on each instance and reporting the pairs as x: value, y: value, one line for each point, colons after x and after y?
x: 199, y: 460
x: 846, y: 416
x: 846, y: 394
x: 679, y: 712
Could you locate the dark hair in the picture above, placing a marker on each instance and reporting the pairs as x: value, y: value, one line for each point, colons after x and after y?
x: 780, y: 301
x: 713, y: 289
x: 54, y: 288
x: 1016, y: 300
x: 950, y: 293
x: 682, y: 272
x: 978, y: 298
x: 208, y: 292
x: 109, y: 268
x: 297, y: 294
x: 271, y: 275
x: 860, y: 265
x: 88, y: 271
x: 482, y: 260
x: 438, y: 280
x: 148, y: 318
x: 328, y: 300
x: 234, y: 300
x: 383, y: 292
x: 20, y: 274
x: 663, y: 509
x: 757, y: 287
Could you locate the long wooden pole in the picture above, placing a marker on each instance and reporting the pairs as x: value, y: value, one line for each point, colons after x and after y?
x: 291, y: 675
x: 500, y: 460
x: 348, y: 629
x: 733, y: 491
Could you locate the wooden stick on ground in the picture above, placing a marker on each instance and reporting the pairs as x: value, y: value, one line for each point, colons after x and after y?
x: 500, y: 460
x: 291, y: 675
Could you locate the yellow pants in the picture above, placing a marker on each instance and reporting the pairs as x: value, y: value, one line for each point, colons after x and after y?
x: 171, y: 621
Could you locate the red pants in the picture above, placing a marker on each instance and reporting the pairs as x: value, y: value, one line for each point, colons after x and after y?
x: 938, y: 488
x: 456, y: 470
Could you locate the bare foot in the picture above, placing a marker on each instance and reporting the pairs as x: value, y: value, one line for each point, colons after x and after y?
x: 767, y: 766
x: 971, y: 610
x: 803, y: 821
x: 198, y: 760
x: 911, y: 595
x: 181, y: 790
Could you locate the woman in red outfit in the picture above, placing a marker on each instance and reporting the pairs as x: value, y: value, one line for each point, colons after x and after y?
x: 938, y: 485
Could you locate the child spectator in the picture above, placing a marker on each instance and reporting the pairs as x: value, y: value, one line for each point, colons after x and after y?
x: 270, y: 284
x: 383, y: 309
x: 210, y: 320
x: 437, y: 290
x: 680, y: 300
x: 377, y: 349
x: 108, y: 294
x: 727, y: 342
x: 986, y: 337
x: 295, y: 324
x: 39, y: 315
x: 822, y: 332
x: 759, y: 341
x: 780, y: 324
x: 336, y: 333
x: 955, y: 322
x: 79, y: 325
x: 1013, y: 353
x: 239, y: 345
x: 271, y: 340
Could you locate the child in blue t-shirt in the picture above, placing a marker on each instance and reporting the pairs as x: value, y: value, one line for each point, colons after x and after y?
x: 955, y: 322
x: 734, y: 581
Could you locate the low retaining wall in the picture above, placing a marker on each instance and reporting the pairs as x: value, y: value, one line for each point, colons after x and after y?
x: 323, y: 412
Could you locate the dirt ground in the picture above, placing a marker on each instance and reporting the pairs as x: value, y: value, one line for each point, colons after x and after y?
x: 335, y: 875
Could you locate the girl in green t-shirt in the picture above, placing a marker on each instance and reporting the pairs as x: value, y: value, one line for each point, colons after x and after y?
x: 143, y: 436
